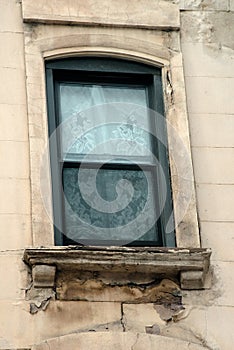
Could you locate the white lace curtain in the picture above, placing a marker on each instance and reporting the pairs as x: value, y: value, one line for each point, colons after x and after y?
x: 99, y: 206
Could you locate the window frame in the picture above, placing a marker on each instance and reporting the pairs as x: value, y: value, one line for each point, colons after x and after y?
x: 101, y: 68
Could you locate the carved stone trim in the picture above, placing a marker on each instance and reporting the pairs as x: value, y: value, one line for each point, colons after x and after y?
x: 190, y: 265
x: 118, y: 340
x: 192, y: 279
x: 43, y: 276
x: 150, y: 14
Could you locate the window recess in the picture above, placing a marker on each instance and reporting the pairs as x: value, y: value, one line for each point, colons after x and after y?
x: 110, y: 172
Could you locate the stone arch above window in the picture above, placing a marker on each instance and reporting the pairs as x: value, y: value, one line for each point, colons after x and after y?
x: 115, y: 341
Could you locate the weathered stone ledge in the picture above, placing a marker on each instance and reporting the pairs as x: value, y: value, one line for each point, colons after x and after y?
x: 189, y: 265
x: 146, y: 14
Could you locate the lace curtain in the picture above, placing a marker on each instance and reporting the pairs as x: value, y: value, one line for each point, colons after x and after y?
x: 107, y: 204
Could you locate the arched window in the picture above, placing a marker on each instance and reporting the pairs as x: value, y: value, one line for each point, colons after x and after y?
x: 108, y: 152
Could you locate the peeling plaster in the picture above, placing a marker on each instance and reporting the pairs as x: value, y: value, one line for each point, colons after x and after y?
x: 39, y: 298
x: 169, y: 312
x: 169, y: 88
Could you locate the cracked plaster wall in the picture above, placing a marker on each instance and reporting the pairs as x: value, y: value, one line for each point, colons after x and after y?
x: 202, y: 319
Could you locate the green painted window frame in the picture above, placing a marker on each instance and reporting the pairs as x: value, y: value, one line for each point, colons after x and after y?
x: 100, y: 69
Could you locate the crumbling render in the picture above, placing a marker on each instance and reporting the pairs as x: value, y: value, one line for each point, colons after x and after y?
x: 41, y: 290
x: 173, y: 326
x: 123, y: 274
x: 169, y: 88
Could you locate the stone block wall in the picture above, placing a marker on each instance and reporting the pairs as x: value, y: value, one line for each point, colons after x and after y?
x: 208, y: 52
x: 15, y: 219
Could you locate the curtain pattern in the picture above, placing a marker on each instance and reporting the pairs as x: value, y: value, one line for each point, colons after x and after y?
x: 103, y: 204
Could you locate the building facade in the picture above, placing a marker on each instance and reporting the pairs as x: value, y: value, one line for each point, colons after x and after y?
x: 171, y: 62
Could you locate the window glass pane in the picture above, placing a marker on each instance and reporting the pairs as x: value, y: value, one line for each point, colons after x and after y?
x: 91, y: 130
x: 109, y: 205
x: 76, y: 98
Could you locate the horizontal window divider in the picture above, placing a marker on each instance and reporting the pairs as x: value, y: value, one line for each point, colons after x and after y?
x: 73, y: 157
x: 112, y: 165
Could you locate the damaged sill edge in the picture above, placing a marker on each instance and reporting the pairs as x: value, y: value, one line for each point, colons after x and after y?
x: 191, y: 265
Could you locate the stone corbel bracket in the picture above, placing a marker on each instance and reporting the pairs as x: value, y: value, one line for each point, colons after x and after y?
x: 43, y: 276
x: 189, y: 265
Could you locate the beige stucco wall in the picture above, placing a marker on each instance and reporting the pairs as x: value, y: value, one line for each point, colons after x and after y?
x: 207, y: 320
x: 207, y: 45
x: 15, y: 219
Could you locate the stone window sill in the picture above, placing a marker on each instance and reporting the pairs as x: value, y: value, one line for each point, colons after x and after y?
x: 187, y: 266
